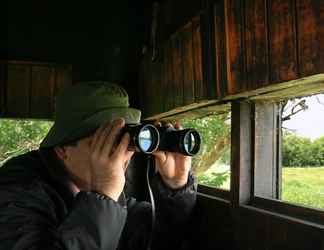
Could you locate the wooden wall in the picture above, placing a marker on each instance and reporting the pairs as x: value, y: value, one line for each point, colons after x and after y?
x: 27, y: 89
x: 228, y: 47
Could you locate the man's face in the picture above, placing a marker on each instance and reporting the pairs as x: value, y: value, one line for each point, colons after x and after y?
x: 77, y: 162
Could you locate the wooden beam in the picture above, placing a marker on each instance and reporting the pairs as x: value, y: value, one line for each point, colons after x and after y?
x: 241, y: 153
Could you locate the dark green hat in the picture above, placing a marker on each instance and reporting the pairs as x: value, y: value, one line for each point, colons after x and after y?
x: 84, y: 107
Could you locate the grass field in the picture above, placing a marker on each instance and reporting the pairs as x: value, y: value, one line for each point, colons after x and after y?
x: 304, y: 186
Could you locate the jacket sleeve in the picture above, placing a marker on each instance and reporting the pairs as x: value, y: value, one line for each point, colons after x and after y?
x: 28, y: 220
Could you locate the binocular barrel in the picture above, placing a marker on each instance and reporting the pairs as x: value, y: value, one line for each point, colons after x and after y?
x: 147, y: 138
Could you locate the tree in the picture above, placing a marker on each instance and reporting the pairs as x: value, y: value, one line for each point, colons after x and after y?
x: 215, y: 134
x: 20, y: 136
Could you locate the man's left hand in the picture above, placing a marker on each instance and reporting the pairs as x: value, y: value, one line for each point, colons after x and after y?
x: 173, y: 167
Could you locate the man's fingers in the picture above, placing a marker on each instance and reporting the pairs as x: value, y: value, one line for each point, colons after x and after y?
x: 111, y: 137
x: 160, y: 155
x: 177, y: 125
x: 123, y: 145
x: 98, y: 136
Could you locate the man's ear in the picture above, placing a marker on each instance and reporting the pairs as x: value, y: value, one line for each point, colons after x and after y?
x: 60, y: 152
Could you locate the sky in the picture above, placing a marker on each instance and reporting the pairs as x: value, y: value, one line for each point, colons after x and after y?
x: 308, y: 123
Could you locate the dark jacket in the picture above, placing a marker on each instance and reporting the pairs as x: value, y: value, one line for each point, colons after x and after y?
x: 38, y: 211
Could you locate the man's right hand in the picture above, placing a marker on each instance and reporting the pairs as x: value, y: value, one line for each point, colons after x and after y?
x: 108, y: 160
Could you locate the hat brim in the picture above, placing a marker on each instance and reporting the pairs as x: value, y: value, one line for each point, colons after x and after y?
x: 58, y: 135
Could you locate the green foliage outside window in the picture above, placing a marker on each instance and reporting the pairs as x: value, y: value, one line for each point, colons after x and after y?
x: 20, y: 136
x: 300, y: 151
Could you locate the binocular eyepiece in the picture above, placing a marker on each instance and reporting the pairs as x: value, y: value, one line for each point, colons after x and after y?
x: 147, y: 138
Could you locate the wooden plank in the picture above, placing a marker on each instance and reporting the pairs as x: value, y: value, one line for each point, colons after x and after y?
x: 155, y: 88
x: 63, y: 79
x: 310, y: 21
x: 241, y: 160
x: 256, y: 44
x: 208, y: 52
x: 197, y: 59
x: 265, y: 153
x: 220, y: 48
x: 42, y: 91
x: 168, y: 93
x: 234, y: 46
x: 18, y: 91
x: 177, y: 66
x: 282, y: 36
x: 188, y: 67
x: 176, y: 14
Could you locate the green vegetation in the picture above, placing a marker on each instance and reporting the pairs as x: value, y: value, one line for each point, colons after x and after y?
x: 20, y: 136
x: 300, y: 151
x: 304, y: 186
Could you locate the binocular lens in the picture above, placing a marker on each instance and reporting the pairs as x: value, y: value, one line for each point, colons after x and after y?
x: 145, y: 139
x: 191, y: 142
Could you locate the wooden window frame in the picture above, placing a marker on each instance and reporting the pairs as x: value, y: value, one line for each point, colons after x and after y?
x: 266, y: 194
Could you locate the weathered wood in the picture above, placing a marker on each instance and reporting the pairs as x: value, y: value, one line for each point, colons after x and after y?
x: 208, y: 52
x: 256, y: 43
x: 18, y: 91
x: 241, y: 155
x: 188, y: 67
x: 42, y: 91
x: 177, y: 67
x: 265, y: 153
x: 155, y: 88
x: 302, y: 213
x: 282, y: 36
x: 310, y: 21
x: 220, y: 48
x: 234, y: 46
x: 168, y: 92
x: 197, y: 52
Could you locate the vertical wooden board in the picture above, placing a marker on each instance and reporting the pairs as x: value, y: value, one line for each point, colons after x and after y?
x: 197, y: 59
x: 256, y: 44
x: 146, y: 84
x: 177, y: 70
x: 310, y: 21
x: 282, y: 36
x: 168, y: 93
x: 63, y: 79
x: 220, y: 48
x: 277, y: 233
x: 18, y: 92
x: 42, y: 91
x: 141, y: 78
x: 188, y: 67
x: 234, y: 46
x: 155, y: 88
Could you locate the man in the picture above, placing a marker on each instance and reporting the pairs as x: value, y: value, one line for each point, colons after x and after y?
x: 69, y: 194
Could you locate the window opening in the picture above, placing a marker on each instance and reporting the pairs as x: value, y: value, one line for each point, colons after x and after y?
x: 212, y: 164
x: 20, y: 136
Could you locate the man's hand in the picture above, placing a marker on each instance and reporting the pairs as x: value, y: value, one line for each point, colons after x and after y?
x: 108, y: 160
x: 173, y: 167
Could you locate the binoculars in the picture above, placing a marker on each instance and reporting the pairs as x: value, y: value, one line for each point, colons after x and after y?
x: 147, y: 138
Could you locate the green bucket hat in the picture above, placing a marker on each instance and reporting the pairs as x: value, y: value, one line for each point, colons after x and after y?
x: 84, y: 107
